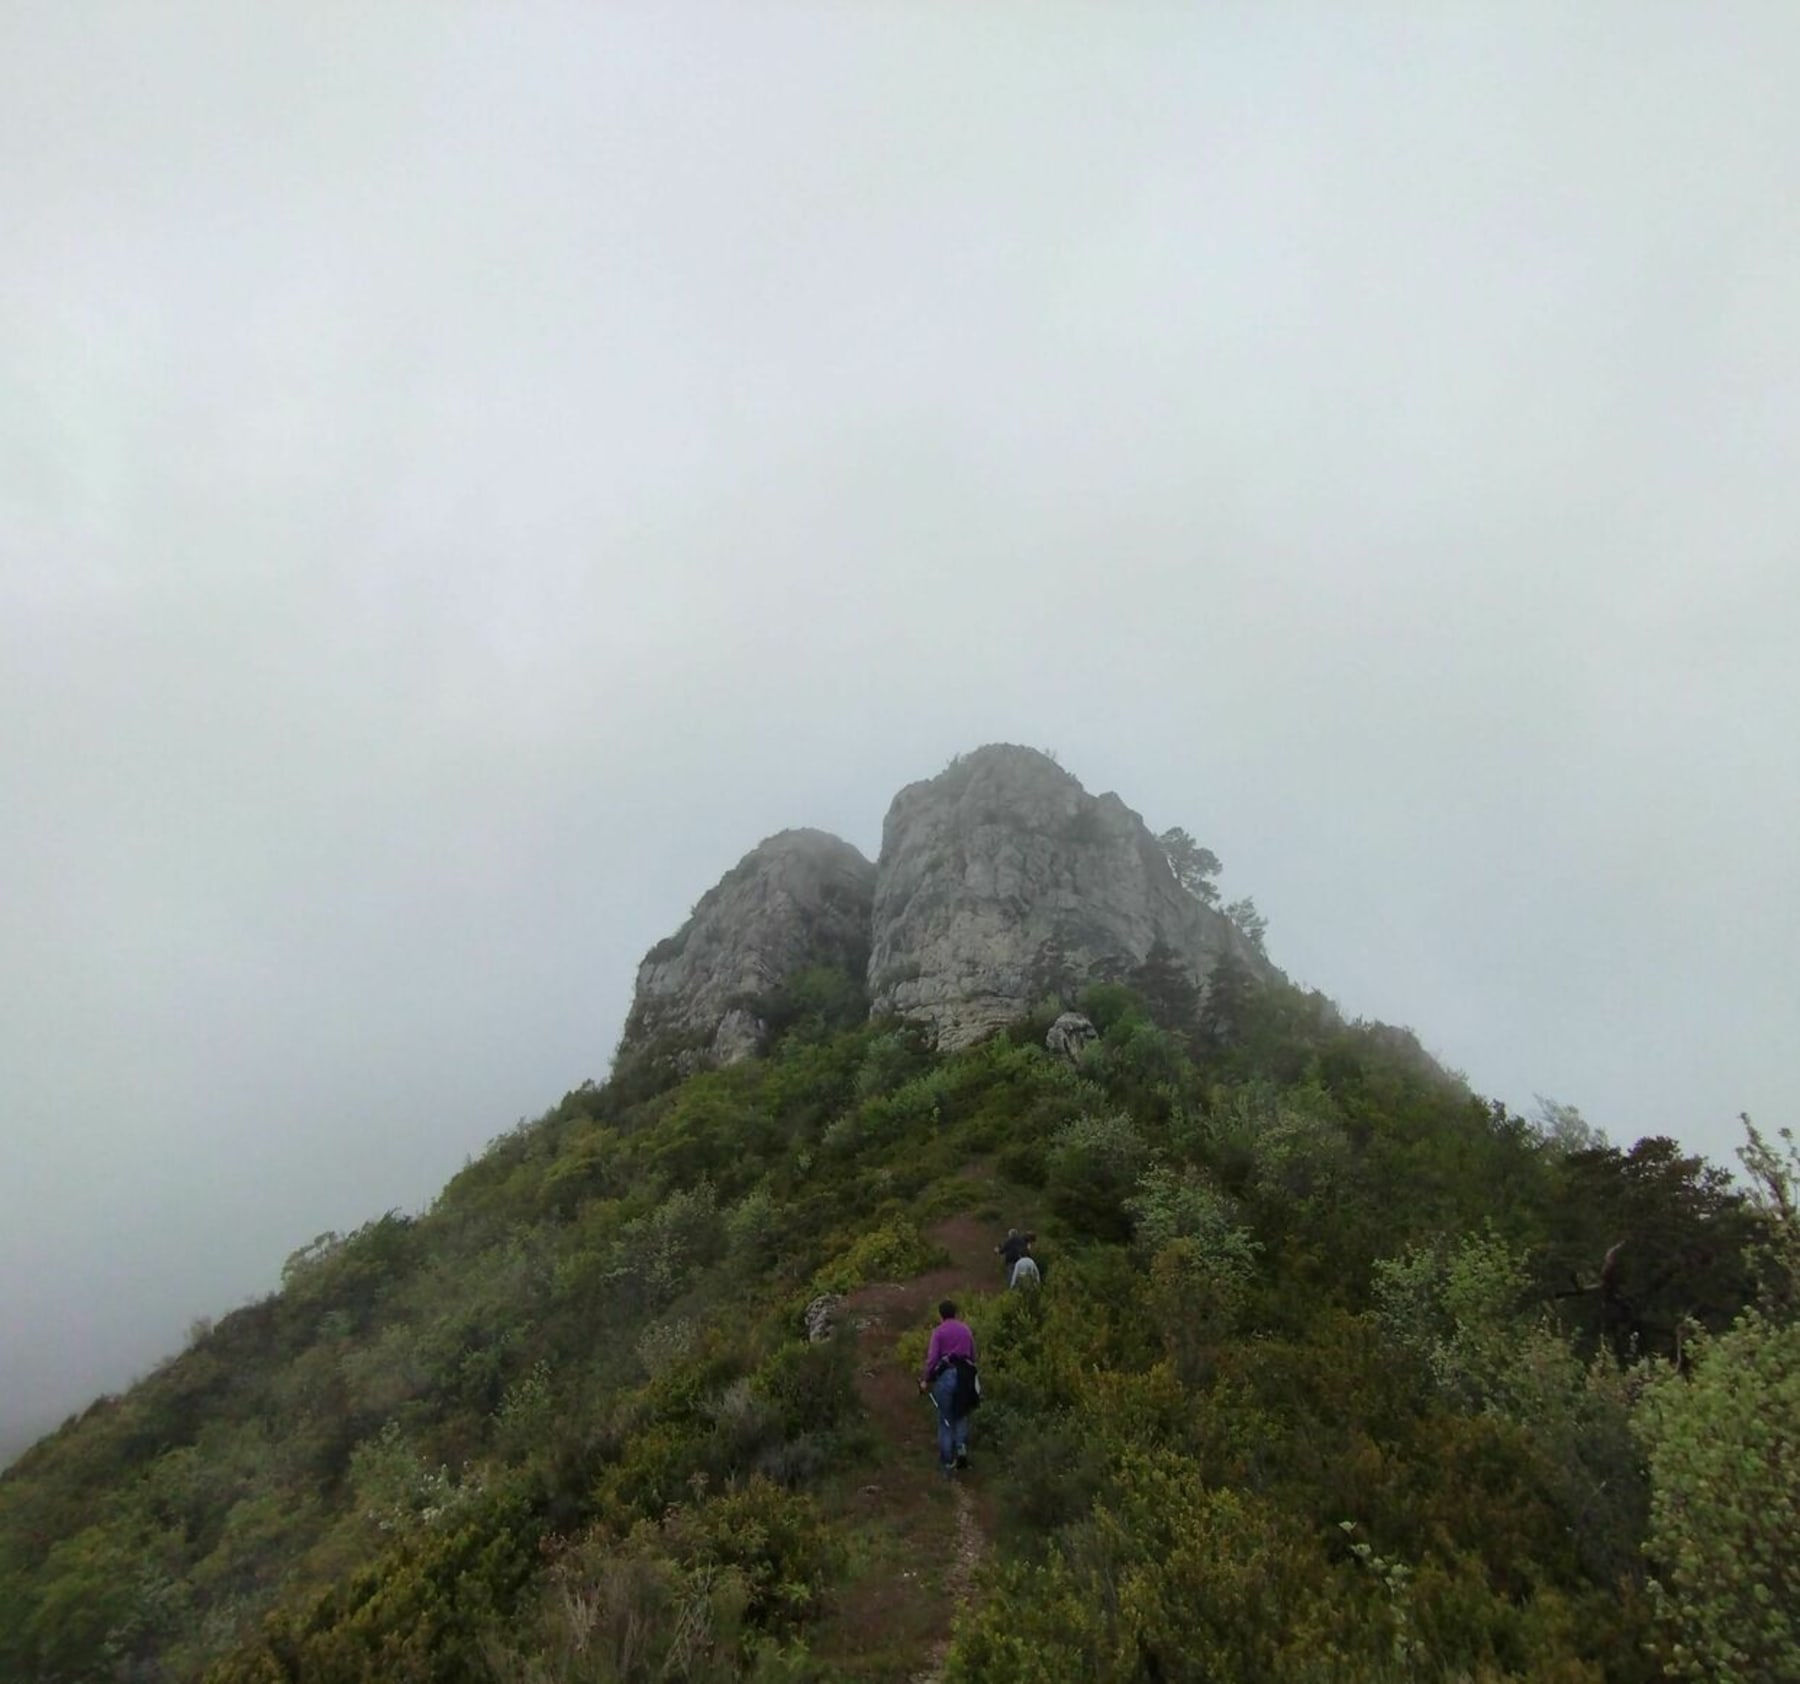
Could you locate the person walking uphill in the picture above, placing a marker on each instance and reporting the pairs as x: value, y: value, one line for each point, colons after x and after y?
x: 1015, y: 1255
x: 949, y: 1379
x: 1013, y: 1247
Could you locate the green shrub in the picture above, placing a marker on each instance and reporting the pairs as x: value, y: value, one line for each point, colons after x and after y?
x: 657, y: 1254
x: 707, y: 1592
x: 1095, y: 1161
x: 1107, y: 1004
x: 1184, y: 1204
x: 422, y: 1612
x: 894, y: 1251
x: 892, y: 1060
x: 752, y: 1227
x: 809, y: 1386
x: 775, y: 1540
x: 1167, y: 1579
x: 1053, y: 1472
x: 1724, y: 1448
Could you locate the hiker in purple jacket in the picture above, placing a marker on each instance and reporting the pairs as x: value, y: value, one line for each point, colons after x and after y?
x: 949, y: 1378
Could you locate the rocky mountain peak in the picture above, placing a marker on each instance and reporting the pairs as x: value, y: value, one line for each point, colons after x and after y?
x: 799, y: 899
x: 1001, y: 882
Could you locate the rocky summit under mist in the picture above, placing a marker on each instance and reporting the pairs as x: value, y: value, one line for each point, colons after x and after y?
x: 1002, y: 883
x: 1333, y: 1372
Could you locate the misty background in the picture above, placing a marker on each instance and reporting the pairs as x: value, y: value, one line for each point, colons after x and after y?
x: 467, y: 474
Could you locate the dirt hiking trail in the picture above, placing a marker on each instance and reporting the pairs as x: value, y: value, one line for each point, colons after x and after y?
x: 898, y: 1615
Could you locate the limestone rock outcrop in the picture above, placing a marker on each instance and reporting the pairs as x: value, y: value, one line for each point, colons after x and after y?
x: 802, y: 898
x: 1002, y: 881
x: 821, y: 1316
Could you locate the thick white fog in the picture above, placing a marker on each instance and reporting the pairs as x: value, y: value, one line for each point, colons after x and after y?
x: 468, y: 474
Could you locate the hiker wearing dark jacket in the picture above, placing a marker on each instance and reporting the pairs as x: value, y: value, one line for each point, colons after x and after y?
x: 1013, y: 1247
x: 949, y: 1378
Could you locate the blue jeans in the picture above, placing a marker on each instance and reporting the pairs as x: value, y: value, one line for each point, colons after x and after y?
x: 953, y: 1432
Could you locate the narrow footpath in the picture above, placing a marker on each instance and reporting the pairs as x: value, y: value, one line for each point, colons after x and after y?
x: 901, y: 1611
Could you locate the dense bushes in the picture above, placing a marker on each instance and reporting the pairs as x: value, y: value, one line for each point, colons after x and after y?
x: 1723, y: 1441
x: 706, y: 1592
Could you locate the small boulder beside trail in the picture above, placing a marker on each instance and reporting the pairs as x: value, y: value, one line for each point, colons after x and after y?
x: 820, y: 1317
x: 1070, y: 1035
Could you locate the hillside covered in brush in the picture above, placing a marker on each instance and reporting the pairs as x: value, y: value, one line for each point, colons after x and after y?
x: 1337, y: 1372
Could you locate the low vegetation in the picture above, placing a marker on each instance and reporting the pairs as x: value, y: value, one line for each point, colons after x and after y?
x: 1325, y: 1382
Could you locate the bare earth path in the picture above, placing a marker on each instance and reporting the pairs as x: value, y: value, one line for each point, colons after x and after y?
x: 959, y: 1581
x: 905, y: 1606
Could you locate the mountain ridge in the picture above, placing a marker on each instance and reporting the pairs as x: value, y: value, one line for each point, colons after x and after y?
x: 1338, y: 1374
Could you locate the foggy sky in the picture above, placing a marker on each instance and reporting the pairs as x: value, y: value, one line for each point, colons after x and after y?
x: 466, y: 474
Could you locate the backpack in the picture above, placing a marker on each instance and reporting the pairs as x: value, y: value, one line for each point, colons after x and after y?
x: 968, y: 1388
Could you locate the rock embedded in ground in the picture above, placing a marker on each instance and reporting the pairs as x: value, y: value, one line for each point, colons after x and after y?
x: 820, y: 1317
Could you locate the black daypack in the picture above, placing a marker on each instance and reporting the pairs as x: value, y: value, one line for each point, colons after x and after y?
x: 968, y: 1388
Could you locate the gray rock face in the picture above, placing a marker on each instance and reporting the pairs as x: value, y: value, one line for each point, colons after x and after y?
x: 1002, y: 881
x: 820, y: 1317
x: 800, y: 899
x: 1070, y: 1035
